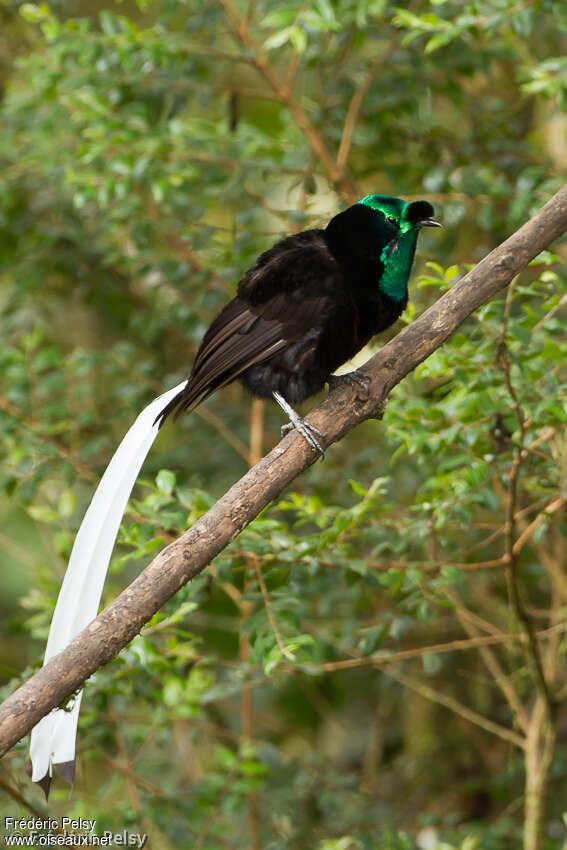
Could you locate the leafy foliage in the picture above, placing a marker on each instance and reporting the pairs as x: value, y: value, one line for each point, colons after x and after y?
x: 348, y: 673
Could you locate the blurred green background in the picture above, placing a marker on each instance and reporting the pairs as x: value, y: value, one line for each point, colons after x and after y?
x: 350, y: 673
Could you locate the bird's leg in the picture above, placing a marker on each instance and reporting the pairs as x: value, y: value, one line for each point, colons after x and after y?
x: 351, y: 379
x: 306, y: 430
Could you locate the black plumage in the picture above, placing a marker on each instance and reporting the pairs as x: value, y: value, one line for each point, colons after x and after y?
x: 309, y: 304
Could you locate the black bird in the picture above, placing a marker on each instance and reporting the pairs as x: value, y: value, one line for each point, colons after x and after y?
x: 308, y: 305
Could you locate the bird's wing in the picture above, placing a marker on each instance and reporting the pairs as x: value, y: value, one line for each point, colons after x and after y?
x: 279, y: 301
x: 237, y: 339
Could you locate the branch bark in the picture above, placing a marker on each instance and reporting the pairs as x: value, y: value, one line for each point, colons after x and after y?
x: 183, y: 559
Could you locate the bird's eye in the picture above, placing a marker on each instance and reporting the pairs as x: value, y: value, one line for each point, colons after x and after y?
x: 391, y: 220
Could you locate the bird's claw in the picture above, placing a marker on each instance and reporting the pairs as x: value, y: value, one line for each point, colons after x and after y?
x: 306, y: 430
x: 351, y: 379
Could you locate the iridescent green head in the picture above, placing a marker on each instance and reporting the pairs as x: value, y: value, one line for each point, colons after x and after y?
x: 407, y: 217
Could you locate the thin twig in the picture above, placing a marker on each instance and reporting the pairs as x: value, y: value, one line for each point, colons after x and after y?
x: 211, y: 418
x: 337, y: 174
x: 356, y: 103
x: 19, y: 798
x: 247, y: 719
x: 542, y: 322
x: 457, y: 707
x: 550, y: 509
x: 292, y: 69
x: 255, y: 561
x: 522, y: 617
x: 460, y: 644
x: 256, y: 431
x: 499, y: 675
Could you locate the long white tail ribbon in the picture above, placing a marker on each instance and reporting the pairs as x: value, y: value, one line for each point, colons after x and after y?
x: 53, y: 738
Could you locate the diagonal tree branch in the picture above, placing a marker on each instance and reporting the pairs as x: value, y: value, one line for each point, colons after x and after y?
x: 339, y: 413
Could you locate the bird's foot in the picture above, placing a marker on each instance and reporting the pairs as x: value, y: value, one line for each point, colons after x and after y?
x: 307, y: 431
x: 352, y: 379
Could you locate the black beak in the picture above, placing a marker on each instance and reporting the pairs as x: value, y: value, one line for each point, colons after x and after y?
x: 429, y: 222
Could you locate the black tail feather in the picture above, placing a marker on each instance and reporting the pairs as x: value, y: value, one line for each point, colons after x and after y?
x: 176, y: 406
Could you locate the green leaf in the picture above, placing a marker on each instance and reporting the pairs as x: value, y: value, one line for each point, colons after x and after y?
x: 165, y: 481
x: 432, y: 663
x: 43, y: 513
x: 67, y: 503
x: 358, y: 565
x: 371, y: 638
